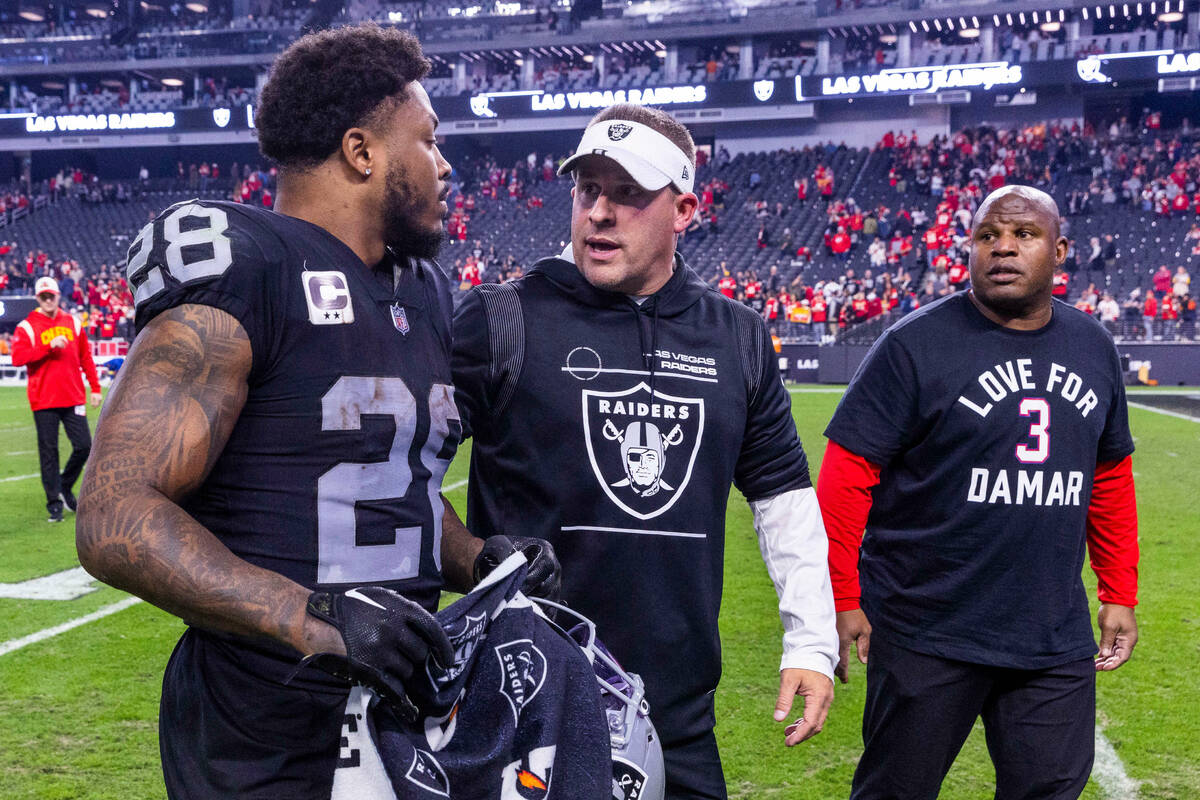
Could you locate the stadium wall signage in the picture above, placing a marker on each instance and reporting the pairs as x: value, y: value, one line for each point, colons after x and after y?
x: 481, y: 105
x: 71, y: 123
x: 923, y: 79
x: 1178, y: 62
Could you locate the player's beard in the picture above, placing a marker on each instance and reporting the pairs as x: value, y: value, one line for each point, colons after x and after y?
x: 401, y: 210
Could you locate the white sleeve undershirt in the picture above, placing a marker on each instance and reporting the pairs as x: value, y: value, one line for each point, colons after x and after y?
x: 791, y: 536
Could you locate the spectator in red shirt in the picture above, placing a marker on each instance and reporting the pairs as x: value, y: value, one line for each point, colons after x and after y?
x: 53, y: 348
x: 1149, y: 312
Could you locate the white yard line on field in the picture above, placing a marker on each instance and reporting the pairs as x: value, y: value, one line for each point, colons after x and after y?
x: 1109, y: 772
x: 42, y: 635
x: 21, y: 453
x: 21, y: 477
x: 455, y: 485
x: 1162, y: 411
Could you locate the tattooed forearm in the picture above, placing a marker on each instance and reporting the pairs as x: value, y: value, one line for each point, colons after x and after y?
x: 166, y: 421
x: 459, y: 549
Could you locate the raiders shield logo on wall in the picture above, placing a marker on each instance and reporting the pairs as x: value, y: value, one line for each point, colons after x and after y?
x: 642, y: 447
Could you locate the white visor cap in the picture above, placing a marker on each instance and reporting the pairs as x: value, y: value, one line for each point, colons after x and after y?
x: 650, y: 158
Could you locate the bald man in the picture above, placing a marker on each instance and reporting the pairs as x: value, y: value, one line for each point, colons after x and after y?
x: 982, y: 444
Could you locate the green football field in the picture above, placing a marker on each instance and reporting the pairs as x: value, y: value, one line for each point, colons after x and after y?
x: 78, y: 708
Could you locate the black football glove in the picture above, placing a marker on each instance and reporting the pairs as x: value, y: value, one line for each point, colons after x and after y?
x: 387, y: 636
x: 544, y: 578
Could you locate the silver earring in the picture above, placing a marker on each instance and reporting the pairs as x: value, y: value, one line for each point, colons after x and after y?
x: 368, y: 172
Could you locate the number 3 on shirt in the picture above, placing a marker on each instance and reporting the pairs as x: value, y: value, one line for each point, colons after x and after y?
x: 1037, y: 430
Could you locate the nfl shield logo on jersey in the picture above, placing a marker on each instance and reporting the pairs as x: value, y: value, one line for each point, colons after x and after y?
x: 642, y: 446
x: 400, y: 318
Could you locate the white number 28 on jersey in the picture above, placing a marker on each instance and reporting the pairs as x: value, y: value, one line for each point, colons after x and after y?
x: 205, y: 234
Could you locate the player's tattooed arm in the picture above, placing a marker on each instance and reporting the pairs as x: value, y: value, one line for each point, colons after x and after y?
x: 459, y: 551
x: 168, y: 417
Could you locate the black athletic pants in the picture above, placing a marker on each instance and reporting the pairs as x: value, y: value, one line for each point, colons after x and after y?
x: 694, y: 769
x: 1040, y: 725
x: 46, y: 421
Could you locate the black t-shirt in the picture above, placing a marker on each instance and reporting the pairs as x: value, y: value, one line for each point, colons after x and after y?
x: 331, y: 475
x: 988, y: 439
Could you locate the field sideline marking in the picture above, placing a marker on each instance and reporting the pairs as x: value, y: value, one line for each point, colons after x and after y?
x: 1109, y: 772
x: 455, y: 485
x: 42, y: 635
x: 1162, y: 411
x: 21, y: 477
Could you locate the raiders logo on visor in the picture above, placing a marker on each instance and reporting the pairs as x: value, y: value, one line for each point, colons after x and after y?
x: 618, y: 131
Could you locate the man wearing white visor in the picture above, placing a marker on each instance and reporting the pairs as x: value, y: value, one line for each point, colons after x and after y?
x: 642, y: 376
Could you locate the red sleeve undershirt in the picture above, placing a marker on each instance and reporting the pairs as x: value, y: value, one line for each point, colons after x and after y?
x: 844, y: 492
x: 1112, y: 532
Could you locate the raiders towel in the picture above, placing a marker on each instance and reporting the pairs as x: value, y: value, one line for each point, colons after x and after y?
x: 516, y: 716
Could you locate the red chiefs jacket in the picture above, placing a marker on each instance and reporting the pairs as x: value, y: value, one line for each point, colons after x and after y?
x: 54, y: 380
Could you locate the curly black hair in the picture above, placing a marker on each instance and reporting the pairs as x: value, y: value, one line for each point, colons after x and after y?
x: 328, y: 82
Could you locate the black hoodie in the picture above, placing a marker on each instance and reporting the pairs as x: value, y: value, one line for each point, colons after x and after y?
x: 593, y: 417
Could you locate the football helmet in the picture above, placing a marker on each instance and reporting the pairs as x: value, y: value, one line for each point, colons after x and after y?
x: 637, y: 758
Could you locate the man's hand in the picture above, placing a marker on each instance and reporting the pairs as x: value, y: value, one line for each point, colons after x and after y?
x: 95, y: 399
x: 1118, y: 635
x: 58, y: 342
x: 544, y: 578
x: 817, y: 691
x: 852, y: 628
x: 386, y: 637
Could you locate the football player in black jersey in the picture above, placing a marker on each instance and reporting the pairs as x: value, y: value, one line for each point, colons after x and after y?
x: 270, y: 465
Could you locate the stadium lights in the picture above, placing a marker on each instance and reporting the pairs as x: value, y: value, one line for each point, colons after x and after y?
x: 57, y: 86
x: 589, y: 58
x: 912, y: 25
x: 1021, y: 16
x: 1035, y: 18
x: 925, y: 25
x: 937, y: 23
x: 660, y: 53
x: 1050, y: 27
x: 969, y: 33
x: 98, y: 10
x: 1062, y: 15
x: 962, y: 23
x: 197, y: 6
x: 950, y: 23
x: 1112, y: 10
x: 1170, y: 16
x: 974, y: 22
x: 172, y: 82
x: 888, y: 38
x: 1125, y: 9
x: 996, y: 20
x: 1153, y: 10
x: 32, y: 14
x: 1139, y: 9
x: 1008, y: 18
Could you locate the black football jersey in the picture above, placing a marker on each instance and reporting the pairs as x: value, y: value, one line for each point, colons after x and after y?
x: 333, y: 471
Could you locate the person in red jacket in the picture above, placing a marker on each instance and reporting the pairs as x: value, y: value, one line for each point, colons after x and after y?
x: 53, y: 347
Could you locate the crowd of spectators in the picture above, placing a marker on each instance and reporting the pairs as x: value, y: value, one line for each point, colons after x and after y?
x: 902, y: 244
